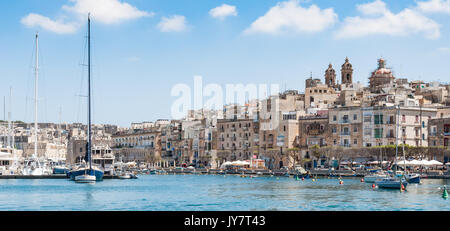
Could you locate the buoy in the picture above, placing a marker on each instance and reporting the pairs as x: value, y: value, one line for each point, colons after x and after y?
x: 341, y: 182
x: 373, y: 185
x: 445, y: 193
x: 362, y: 179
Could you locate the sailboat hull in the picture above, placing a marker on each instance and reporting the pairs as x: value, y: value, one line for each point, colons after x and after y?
x: 79, y: 172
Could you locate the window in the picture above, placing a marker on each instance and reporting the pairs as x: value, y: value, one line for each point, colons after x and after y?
x: 355, y: 117
x: 345, y: 119
x: 334, y: 118
x: 403, y: 118
x: 367, y: 118
x: 355, y: 129
x: 378, y: 119
x: 417, y: 119
x: 378, y: 132
x: 368, y: 132
x: 333, y: 130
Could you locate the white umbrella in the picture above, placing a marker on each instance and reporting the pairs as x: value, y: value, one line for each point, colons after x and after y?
x: 402, y: 162
x: 415, y: 162
x: 240, y: 163
x: 225, y: 164
x: 434, y: 162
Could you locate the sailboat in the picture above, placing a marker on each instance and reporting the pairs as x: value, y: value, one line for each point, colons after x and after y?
x: 33, y: 165
x: 88, y: 173
x: 393, y: 182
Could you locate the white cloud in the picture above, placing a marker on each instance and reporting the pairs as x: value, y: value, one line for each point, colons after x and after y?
x: 374, y: 8
x: 106, y: 11
x: 444, y: 49
x: 223, y: 11
x: 406, y: 22
x: 175, y: 23
x: 434, y: 6
x: 36, y: 20
x: 290, y: 16
x: 103, y: 11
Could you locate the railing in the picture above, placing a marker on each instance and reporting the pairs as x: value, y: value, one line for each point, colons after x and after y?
x: 345, y: 133
x: 343, y: 121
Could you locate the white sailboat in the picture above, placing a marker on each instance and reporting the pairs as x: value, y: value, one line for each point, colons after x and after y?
x: 33, y: 166
x: 88, y: 173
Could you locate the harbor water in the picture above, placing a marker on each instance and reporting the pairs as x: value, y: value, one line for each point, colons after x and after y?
x: 217, y: 193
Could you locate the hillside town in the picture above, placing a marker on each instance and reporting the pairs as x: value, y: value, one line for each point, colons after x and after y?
x: 330, y: 123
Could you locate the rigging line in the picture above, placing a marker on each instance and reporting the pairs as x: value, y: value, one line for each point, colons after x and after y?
x: 43, y: 81
x: 29, y: 73
x: 82, y: 62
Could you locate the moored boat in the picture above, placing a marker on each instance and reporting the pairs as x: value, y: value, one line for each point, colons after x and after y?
x: 373, y: 177
x: 390, y: 182
x: 85, y: 178
x: 88, y: 168
x: 413, y: 178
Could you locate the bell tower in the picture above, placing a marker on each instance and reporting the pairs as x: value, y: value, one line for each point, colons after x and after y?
x: 330, y: 76
x: 347, y: 72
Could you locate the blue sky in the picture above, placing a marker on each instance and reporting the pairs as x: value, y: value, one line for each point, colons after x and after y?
x: 142, y: 48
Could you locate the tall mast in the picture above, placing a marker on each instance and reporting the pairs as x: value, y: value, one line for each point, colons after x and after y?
x: 9, y: 142
x: 396, y: 136
x: 36, y: 74
x: 89, y: 92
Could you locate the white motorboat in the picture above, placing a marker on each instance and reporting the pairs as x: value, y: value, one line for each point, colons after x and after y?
x: 413, y: 178
x: 373, y: 177
x: 125, y: 176
x: 85, y: 178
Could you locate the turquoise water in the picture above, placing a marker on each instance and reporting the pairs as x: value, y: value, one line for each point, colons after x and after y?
x: 218, y: 193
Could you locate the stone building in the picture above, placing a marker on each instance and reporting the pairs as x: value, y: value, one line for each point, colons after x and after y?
x: 380, y: 125
x: 381, y: 77
x: 346, y: 126
x: 439, y: 133
x: 236, y: 139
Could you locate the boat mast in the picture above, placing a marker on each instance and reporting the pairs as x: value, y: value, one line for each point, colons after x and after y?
x: 9, y: 141
x: 89, y: 92
x: 396, y: 137
x: 36, y: 76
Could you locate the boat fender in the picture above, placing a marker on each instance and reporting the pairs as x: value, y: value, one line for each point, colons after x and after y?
x: 373, y: 185
x: 362, y: 179
x: 341, y: 182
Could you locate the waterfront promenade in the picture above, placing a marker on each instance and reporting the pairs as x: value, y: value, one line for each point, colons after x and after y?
x: 245, y: 172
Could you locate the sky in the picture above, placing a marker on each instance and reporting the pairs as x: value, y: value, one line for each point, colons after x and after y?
x: 142, y: 48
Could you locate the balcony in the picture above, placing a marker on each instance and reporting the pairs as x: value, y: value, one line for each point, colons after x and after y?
x: 345, y: 133
x: 344, y: 121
